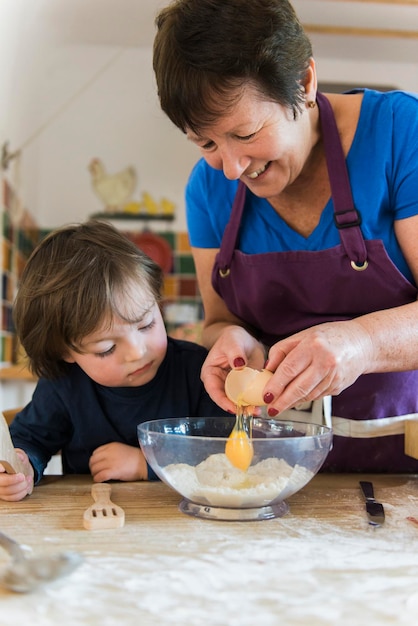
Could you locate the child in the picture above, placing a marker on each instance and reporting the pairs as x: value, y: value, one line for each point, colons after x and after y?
x: 87, y: 314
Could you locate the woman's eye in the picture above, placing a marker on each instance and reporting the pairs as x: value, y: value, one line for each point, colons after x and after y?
x: 102, y: 355
x: 209, y: 145
x: 246, y: 137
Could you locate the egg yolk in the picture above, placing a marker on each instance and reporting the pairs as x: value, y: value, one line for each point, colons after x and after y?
x: 239, y: 449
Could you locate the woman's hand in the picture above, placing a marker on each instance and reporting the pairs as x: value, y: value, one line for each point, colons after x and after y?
x: 14, y: 487
x: 235, y: 348
x: 118, y: 461
x: 319, y: 361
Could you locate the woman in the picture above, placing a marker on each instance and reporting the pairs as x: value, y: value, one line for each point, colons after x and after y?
x: 303, y: 218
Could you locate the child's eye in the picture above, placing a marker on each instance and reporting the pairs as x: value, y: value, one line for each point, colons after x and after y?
x: 102, y: 355
x: 148, y: 326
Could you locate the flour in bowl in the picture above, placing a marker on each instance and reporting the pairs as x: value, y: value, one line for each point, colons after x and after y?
x: 217, y: 482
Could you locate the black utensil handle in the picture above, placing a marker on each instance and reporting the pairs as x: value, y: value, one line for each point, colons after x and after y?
x: 367, y: 488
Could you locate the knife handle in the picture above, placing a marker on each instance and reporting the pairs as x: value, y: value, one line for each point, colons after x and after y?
x: 367, y: 488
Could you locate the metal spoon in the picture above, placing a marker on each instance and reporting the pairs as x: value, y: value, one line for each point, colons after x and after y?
x: 24, y: 575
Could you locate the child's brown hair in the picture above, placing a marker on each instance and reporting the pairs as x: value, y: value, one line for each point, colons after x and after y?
x: 77, y: 277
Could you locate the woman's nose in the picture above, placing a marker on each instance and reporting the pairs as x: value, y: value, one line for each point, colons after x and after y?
x: 230, y: 160
x: 234, y: 164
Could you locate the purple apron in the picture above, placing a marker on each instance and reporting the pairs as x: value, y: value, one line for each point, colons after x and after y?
x: 281, y: 293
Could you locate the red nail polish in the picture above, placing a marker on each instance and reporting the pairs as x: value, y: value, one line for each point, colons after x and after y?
x: 272, y: 412
x: 239, y: 362
x: 268, y: 397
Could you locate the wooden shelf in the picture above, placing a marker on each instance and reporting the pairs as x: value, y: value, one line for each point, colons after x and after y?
x: 356, y: 31
x: 385, y: 1
x: 16, y: 372
x: 142, y: 217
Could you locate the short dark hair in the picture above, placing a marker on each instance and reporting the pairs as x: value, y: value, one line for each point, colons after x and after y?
x: 206, y: 50
x: 75, y: 279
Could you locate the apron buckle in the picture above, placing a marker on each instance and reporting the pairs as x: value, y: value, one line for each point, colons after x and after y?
x: 346, y: 221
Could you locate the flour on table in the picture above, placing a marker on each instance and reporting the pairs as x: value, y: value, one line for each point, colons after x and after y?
x: 217, y: 482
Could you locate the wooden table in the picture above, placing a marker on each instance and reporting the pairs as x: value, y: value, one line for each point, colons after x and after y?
x: 321, y: 564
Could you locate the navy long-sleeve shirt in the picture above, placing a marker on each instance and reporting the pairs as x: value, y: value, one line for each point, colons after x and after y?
x: 75, y: 415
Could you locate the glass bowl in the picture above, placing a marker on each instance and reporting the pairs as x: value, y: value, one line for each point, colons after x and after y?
x: 188, y: 454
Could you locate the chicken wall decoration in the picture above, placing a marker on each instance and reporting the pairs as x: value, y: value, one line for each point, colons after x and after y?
x: 116, y: 191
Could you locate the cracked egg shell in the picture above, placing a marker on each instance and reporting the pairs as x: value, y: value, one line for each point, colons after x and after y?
x: 245, y: 386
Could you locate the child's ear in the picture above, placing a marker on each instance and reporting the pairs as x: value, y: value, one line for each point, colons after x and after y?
x: 68, y: 358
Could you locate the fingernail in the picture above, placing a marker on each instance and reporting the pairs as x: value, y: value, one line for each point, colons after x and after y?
x: 268, y: 397
x: 239, y: 362
x: 272, y: 412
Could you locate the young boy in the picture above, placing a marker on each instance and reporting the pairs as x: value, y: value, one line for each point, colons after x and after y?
x: 87, y: 314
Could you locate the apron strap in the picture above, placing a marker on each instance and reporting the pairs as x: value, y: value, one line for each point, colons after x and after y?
x: 347, y: 218
x: 230, y: 236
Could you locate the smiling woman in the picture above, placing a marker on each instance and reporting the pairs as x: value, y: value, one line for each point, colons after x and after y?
x: 289, y: 234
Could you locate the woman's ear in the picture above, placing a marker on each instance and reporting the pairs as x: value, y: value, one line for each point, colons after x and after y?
x: 310, y: 82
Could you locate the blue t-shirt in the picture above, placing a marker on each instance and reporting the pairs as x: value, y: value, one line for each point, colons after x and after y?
x: 383, y: 170
x: 76, y: 415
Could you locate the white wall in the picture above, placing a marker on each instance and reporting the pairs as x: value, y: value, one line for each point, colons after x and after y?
x: 115, y: 117
x: 118, y: 119
x: 57, y: 104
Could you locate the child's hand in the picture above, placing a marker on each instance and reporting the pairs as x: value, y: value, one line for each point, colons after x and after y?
x: 14, y: 487
x: 118, y: 461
